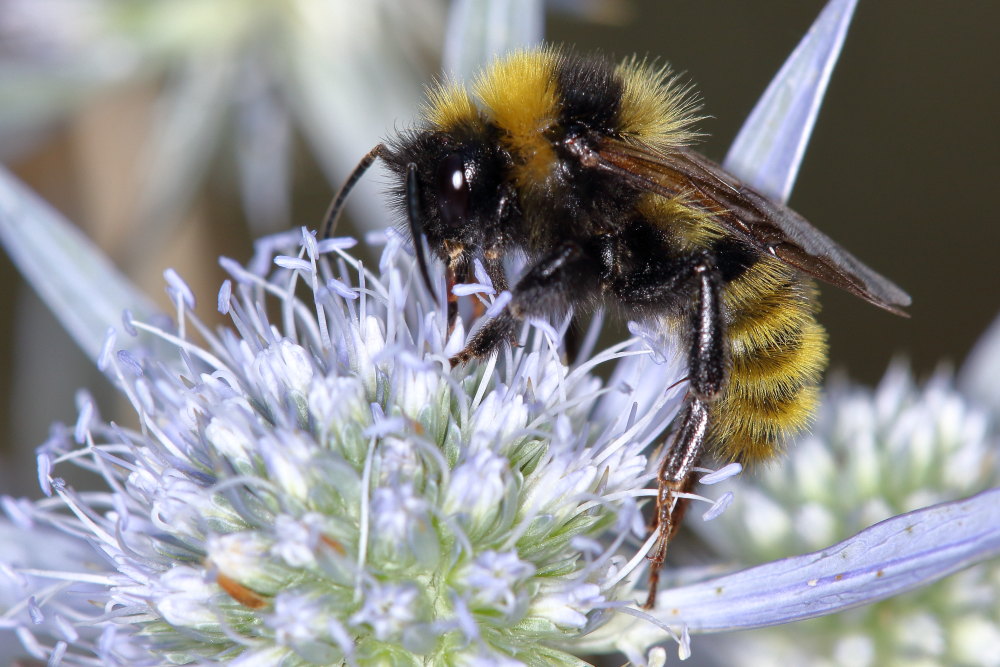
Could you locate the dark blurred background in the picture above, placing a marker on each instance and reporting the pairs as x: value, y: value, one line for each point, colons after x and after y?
x: 901, y: 170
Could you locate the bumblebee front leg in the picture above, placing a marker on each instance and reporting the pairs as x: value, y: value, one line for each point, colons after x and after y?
x: 707, y: 374
x: 493, y: 265
x: 456, y: 270
x: 544, y: 291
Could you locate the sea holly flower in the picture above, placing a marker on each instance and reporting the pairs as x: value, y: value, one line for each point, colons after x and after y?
x: 325, y: 488
x: 314, y: 484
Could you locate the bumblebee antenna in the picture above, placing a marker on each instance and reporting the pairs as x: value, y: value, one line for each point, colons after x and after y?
x: 417, y: 224
x: 337, y: 205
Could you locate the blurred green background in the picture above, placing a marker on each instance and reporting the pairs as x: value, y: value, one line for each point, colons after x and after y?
x: 901, y: 170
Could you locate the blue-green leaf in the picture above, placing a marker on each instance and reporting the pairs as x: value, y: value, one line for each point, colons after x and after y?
x: 71, y: 275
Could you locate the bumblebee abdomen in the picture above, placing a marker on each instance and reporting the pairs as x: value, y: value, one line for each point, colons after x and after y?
x: 777, y: 354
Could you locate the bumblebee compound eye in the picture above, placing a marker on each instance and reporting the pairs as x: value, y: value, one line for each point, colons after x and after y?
x: 453, y: 191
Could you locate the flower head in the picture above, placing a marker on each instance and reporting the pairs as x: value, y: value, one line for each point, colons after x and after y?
x: 324, y: 487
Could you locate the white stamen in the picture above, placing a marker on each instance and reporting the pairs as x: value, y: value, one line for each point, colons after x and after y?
x: 293, y: 263
x: 179, y: 288
x: 225, y: 294
x: 718, y: 507
x: 104, y: 356
x: 339, y: 243
x: 722, y: 474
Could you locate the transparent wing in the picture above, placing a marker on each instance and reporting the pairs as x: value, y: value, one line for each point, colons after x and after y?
x: 764, y: 224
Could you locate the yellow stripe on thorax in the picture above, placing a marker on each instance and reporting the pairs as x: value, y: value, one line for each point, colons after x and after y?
x: 519, y: 95
x: 450, y: 107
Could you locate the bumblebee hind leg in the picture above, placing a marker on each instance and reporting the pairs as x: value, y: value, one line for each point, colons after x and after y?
x: 675, y: 478
x: 707, y: 375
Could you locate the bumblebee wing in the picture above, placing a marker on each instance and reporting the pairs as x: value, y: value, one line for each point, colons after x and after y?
x: 770, y: 227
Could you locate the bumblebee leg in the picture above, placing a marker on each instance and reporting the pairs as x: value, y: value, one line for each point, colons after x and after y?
x: 543, y: 290
x: 458, y: 260
x: 450, y: 280
x: 493, y: 255
x: 456, y: 270
x: 493, y: 265
x: 707, y: 374
x: 673, y: 479
x: 707, y: 355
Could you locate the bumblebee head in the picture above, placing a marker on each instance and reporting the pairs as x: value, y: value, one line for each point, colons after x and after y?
x: 452, y: 188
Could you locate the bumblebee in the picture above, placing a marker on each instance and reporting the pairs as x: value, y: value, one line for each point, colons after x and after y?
x: 584, y: 167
